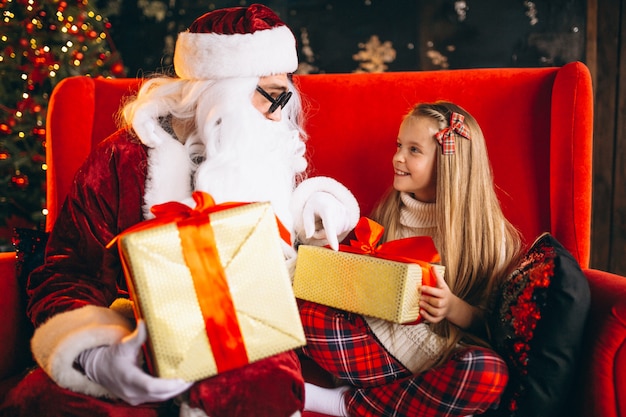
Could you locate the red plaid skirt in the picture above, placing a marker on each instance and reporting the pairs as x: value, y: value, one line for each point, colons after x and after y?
x: 342, y: 343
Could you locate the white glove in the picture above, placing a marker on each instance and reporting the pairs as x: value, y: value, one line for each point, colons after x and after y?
x: 116, y: 368
x: 324, y: 216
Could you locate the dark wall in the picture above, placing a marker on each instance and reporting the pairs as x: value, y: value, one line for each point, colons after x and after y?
x: 412, y: 34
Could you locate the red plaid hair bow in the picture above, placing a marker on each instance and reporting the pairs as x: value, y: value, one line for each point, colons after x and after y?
x: 445, y: 136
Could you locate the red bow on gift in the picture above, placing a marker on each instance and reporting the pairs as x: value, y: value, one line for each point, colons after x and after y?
x: 205, y: 205
x: 420, y: 250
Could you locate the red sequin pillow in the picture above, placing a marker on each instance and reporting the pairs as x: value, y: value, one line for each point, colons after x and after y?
x: 537, y: 327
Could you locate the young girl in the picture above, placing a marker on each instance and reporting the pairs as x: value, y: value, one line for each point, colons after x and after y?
x: 442, y: 188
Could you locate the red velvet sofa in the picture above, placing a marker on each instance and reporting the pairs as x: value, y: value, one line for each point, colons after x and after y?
x: 538, y: 126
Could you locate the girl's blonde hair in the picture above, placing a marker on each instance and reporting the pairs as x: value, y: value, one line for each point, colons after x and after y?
x: 477, y: 243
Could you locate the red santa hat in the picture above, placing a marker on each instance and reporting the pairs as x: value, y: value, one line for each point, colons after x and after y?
x: 235, y: 42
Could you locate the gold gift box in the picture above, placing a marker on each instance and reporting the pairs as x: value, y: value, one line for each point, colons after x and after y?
x: 161, y: 285
x: 359, y: 283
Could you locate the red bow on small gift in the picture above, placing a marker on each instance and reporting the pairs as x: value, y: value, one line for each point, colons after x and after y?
x: 420, y: 250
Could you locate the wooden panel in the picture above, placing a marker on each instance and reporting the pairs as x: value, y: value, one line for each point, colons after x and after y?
x: 591, y: 39
x: 609, y: 200
x: 618, y: 227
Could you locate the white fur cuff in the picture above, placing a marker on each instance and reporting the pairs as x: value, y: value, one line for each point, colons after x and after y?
x: 57, y: 343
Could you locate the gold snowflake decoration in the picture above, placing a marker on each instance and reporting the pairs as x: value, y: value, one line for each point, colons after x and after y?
x: 374, y: 55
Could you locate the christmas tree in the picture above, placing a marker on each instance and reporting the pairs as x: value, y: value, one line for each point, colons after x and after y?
x: 41, y: 42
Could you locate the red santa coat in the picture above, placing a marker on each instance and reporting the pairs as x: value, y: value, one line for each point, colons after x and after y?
x: 105, y: 199
x: 72, y: 297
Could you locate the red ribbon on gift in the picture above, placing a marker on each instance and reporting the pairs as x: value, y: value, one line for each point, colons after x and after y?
x: 201, y: 257
x: 419, y: 250
x: 173, y: 211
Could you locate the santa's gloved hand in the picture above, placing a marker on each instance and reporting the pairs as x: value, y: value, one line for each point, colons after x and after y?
x: 324, y: 216
x: 116, y: 368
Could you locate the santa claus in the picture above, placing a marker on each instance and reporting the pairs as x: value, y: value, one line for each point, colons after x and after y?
x: 229, y: 124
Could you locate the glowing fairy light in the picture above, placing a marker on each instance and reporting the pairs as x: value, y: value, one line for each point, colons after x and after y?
x: 37, y: 48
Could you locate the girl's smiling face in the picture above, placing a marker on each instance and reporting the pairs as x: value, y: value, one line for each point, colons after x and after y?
x: 414, y: 160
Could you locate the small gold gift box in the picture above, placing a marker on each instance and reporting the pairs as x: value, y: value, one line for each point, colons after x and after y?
x: 198, y: 324
x: 363, y: 283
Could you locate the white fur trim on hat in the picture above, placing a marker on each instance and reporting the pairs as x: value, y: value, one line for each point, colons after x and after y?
x: 57, y: 343
x: 201, y: 56
x: 325, y: 184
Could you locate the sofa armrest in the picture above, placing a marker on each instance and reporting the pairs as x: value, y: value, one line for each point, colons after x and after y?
x: 15, y: 329
x: 604, y: 380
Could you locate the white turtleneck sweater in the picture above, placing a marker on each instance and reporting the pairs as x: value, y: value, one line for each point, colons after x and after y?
x: 415, y: 346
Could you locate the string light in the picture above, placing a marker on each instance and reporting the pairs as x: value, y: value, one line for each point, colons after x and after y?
x: 43, y: 43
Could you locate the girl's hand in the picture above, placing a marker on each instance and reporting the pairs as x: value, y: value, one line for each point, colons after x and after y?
x: 436, y: 302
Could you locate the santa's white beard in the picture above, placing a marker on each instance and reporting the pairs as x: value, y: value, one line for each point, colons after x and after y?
x: 253, y: 160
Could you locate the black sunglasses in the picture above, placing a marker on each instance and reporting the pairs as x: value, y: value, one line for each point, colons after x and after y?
x: 281, y: 100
